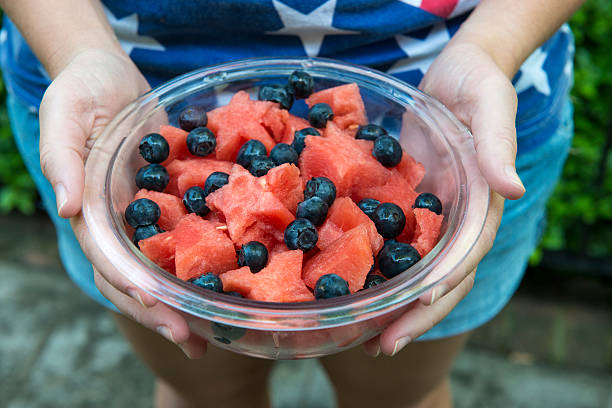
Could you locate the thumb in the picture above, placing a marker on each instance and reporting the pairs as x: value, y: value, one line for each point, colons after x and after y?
x: 493, y: 126
x: 64, y: 129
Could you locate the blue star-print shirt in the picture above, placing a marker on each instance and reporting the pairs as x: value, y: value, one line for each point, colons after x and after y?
x: 166, y: 38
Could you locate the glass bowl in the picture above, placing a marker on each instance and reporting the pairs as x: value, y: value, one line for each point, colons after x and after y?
x: 426, y: 130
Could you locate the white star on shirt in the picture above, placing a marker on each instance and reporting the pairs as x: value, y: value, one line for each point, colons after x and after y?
x: 421, y: 53
x: 311, y: 27
x: 126, y: 30
x: 533, y: 74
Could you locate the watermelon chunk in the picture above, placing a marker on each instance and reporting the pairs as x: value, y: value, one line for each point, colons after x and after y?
x: 349, y: 256
x: 201, y: 248
x: 412, y: 171
x: 343, y: 216
x: 237, y: 122
x: 172, y: 207
x: 427, y: 231
x: 160, y: 249
x: 280, y: 281
x: 192, y: 172
x: 286, y: 184
x: 346, y: 103
x: 177, y: 140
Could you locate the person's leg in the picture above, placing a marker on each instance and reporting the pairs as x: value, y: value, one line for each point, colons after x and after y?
x: 219, y: 379
x: 418, y: 376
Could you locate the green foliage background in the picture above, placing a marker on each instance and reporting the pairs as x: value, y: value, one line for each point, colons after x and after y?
x: 580, y: 212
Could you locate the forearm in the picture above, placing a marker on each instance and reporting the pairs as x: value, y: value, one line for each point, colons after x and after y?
x: 510, y: 30
x: 58, y: 30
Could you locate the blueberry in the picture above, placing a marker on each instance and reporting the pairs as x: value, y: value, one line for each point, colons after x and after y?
x: 154, y: 148
x: 299, y: 138
x: 276, y: 93
x: 201, y: 141
x: 330, y: 286
x: 215, y: 181
x: 142, y: 212
x: 373, y: 280
x: 152, y: 177
x: 300, y: 84
x: 234, y: 294
x: 395, y: 257
x: 370, y: 132
x: 389, y: 220
x: 195, y: 201
x: 250, y: 150
x: 226, y: 334
x: 283, y: 153
x: 254, y: 255
x: 321, y: 187
x: 319, y: 114
x: 145, y: 232
x: 261, y: 165
x: 368, y: 206
x: 429, y: 201
x: 191, y: 118
x: 208, y: 281
x: 313, y: 209
x: 387, y: 151
x: 371, y: 271
x: 301, y: 234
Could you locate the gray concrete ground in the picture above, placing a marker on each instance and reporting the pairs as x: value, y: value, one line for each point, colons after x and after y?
x: 59, y: 349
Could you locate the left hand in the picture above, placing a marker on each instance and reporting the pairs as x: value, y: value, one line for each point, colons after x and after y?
x: 467, y: 80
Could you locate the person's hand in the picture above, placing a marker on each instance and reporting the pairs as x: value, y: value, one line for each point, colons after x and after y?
x: 467, y: 80
x: 93, y: 87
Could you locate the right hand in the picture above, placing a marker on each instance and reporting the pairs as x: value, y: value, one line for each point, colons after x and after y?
x: 92, y: 88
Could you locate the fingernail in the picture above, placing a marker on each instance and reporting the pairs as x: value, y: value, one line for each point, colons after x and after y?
x: 376, y: 353
x: 400, y: 344
x: 133, y: 293
x: 61, y: 196
x: 165, y: 332
x: 512, y: 176
x: 185, y: 349
x: 437, y: 293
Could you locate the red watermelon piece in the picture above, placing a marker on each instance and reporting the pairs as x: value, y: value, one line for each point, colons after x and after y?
x: 201, y: 247
x: 172, y: 207
x: 160, y: 249
x: 411, y: 170
x: 193, y: 172
x: 343, y: 216
x: 280, y: 281
x: 237, y: 122
x: 427, y: 231
x: 292, y: 125
x: 177, y: 140
x: 349, y: 256
x: 286, y: 184
x: 346, y: 103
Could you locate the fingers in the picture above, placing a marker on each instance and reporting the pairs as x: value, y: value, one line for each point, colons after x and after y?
x: 421, y: 318
x: 493, y: 126
x: 372, y: 347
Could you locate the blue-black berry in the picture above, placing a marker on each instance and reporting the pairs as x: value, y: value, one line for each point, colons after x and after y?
x: 283, y: 153
x: 254, y: 255
x: 370, y: 132
x: 330, y: 286
x: 276, y: 93
x: 300, y: 84
x: 387, y: 151
x: 299, y: 138
x: 192, y: 117
x: 215, y: 181
x: 395, y: 257
x: 373, y: 280
x: 249, y: 150
x: 234, y: 294
x: 195, y: 201
x: 313, y: 209
x: 301, y: 234
x: 429, y: 201
x: 226, y: 334
x: 368, y: 206
x: 145, y: 232
x: 201, y: 141
x: 208, y: 281
x: 389, y: 220
x: 154, y: 148
x: 142, y: 212
x: 152, y: 177
x: 321, y: 187
x: 261, y: 165
x: 319, y: 114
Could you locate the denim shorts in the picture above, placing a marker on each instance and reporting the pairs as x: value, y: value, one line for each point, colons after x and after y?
x: 499, y: 273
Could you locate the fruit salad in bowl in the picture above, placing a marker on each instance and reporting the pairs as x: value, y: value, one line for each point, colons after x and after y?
x: 289, y: 208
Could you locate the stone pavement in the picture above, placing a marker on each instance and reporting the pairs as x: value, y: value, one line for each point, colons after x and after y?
x: 59, y: 349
